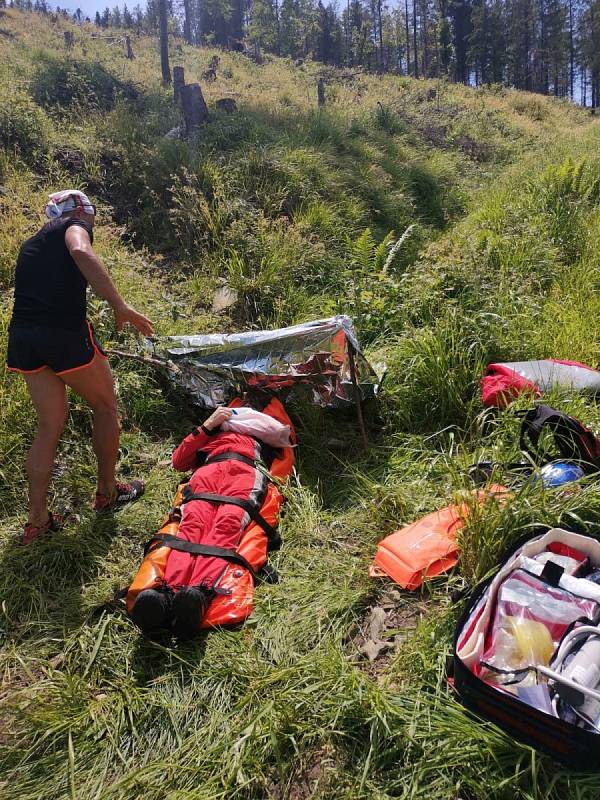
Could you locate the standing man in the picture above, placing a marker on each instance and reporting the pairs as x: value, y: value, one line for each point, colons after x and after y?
x: 52, y: 344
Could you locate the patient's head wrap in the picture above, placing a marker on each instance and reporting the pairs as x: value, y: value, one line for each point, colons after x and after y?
x: 60, y: 203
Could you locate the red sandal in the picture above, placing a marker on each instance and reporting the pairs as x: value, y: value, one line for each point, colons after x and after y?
x: 124, y: 493
x: 32, y: 532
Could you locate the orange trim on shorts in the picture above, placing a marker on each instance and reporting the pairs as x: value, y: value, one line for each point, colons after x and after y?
x: 93, y: 341
x: 26, y: 371
x: 81, y: 366
x: 97, y: 353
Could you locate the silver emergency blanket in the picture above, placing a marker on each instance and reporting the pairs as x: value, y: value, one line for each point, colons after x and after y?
x: 211, y: 368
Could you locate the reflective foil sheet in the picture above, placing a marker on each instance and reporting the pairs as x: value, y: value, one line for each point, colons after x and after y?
x: 212, y: 368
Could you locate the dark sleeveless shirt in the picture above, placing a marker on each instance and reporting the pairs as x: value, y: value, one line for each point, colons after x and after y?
x: 50, y: 289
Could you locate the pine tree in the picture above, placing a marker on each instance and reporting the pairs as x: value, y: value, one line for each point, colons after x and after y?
x: 443, y: 37
x: 292, y: 27
x: 460, y: 12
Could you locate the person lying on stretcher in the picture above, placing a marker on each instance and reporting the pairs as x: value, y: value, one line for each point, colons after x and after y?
x: 224, y: 463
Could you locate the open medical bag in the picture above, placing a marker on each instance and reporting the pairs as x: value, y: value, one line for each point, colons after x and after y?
x: 527, y: 647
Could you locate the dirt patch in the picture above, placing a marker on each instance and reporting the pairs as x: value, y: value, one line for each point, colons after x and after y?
x: 70, y: 159
x: 478, y: 151
x: 377, y: 637
x: 314, y: 777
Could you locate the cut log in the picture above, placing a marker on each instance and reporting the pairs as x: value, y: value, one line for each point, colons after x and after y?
x: 321, y: 92
x: 178, y: 84
x: 195, y: 112
x: 226, y: 104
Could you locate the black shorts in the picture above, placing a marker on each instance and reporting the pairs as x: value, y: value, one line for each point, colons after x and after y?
x: 38, y: 347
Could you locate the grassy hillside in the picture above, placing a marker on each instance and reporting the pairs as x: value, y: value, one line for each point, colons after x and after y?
x: 294, y: 208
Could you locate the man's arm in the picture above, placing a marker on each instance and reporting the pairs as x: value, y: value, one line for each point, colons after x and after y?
x: 80, y: 247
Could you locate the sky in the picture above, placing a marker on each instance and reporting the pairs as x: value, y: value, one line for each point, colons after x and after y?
x: 89, y: 7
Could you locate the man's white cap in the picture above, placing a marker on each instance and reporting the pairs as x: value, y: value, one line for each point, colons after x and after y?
x: 68, y: 200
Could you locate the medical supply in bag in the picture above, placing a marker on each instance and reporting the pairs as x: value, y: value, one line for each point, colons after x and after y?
x: 527, y: 646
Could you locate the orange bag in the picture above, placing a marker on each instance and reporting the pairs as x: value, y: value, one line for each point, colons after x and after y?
x: 424, y: 548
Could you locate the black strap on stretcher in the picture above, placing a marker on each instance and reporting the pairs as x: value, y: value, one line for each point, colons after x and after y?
x: 230, y: 455
x: 255, y: 463
x: 274, y: 539
x: 175, y: 543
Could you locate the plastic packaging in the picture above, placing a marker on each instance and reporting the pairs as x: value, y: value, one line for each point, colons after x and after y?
x: 529, y: 621
x: 262, y: 426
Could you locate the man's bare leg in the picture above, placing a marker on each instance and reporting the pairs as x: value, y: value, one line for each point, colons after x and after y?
x: 50, y: 401
x: 94, y: 384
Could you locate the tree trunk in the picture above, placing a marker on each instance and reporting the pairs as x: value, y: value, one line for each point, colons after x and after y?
x: 415, y: 48
x: 348, y: 32
x: 187, y: 21
x: 164, y: 42
x: 407, y: 37
x: 195, y: 112
x: 425, y: 35
x: 571, y: 51
x: 381, y: 64
x: 543, y: 87
x: 483, y: 65
x: 278, y: 26
x: 129, y: 48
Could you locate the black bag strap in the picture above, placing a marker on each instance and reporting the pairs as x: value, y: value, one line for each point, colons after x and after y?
x: 481, y: 472
x: 531, y: 428
x: 175, y: 543
x: 573, y: 440
x: 272, y: 535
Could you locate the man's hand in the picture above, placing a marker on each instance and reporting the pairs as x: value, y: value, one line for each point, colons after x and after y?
x: 126, y: 314
x: 222, y: 414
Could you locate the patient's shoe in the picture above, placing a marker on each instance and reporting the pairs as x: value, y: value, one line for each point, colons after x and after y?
x: 189, y: 607
x: 152, y: 611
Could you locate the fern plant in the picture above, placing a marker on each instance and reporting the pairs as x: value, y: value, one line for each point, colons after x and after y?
x: 373, y: 283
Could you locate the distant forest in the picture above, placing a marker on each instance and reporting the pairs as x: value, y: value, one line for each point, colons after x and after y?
x: 546, y: 46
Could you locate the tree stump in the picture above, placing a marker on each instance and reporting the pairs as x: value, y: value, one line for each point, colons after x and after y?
x: 321, y: 92
x: 69, y: 40
x: 226, y: 104
x: 129, y: 48
x: 195, y: 112
x: 178, y: 84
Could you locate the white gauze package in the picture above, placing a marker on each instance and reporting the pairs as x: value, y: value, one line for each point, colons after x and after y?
x: 262, y: 426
